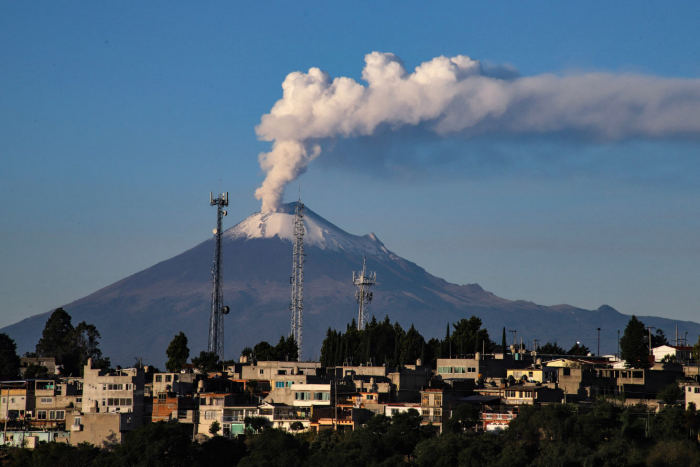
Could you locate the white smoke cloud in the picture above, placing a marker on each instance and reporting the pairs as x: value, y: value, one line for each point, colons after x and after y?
x: 459, y: 95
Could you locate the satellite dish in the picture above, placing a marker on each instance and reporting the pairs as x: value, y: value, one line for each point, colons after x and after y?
x: 214, y: 231
x: 225, y: 310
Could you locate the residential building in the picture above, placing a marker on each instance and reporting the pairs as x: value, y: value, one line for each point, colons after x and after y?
x: 692, y: 395
x: 673, y: 352
x: 487, y: 367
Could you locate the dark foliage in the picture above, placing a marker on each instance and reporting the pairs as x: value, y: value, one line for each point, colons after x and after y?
x: 9, y: 360
x: 633, y: 346
x: 551, y: 349
x: 177, y: 353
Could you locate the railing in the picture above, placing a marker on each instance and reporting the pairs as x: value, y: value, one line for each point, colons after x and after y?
x: 233, y: 418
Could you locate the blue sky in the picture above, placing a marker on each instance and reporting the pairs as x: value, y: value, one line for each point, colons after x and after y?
x: 117, y: 119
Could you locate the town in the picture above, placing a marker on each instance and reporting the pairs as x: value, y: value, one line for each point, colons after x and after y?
x: 66, y: 392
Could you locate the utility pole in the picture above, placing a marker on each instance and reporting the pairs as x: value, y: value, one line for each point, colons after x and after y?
x: 649, y: 328
x: 218, y: 310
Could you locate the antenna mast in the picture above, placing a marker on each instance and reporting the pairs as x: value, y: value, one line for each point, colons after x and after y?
x: 218, y: 310
x: 297, y: 279
x: 363, y: 281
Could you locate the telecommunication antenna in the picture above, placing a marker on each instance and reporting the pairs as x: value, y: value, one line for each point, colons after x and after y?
x: 218, y: 310
x: 297, y: 278
x: 363, y: 281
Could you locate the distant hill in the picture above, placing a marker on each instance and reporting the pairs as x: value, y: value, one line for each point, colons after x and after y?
x: 139, y: 315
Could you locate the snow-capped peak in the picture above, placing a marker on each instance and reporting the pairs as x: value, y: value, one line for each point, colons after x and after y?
x: 318, y: 232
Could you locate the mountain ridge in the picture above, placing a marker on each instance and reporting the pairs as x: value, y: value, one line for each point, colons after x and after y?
x: 138, y: 315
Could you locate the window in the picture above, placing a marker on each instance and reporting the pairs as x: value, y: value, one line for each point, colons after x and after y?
x: 118, y: 401
x: 438, y: 400
x: 168, y: 378
x: 159, y: 378
x: 46, y: 400
x: 129, y: 387
x: 471, y: 369
x: 76, y: 421
x: 57, y: 415
x: 425, y: 400
x: 281, y: 372
x: 370, y: 397
x: 697, y: 390
x: 530, y: 374
x: 210, y: 415
x: 41, y: 415
x: 279, y: 384
x: 289, y: 383
x: 460, y: 369
x: 261, y: 372
x: 567, y: 371
x: 162, y: 397
x: 115, y: 387
x: 302, y: 396
x: 79, y: 400
x: 444, y: 369
x: 394, y: 411
x: 322, y: 396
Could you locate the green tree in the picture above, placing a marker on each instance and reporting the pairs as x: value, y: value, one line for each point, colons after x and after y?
x: 9, y: 360
x: 632, y: 346
x: 177, y: 353
x: 468, y: 336
x: 35, y: 371
x: 57, y: 341
x: 671, y: 393
x: 159, y: 444
x: 206, y: 362
x: 551, y: 349
x: 85, y: 346
x: 579, y: 350
x: 296, y: 426
x: 214, y: 428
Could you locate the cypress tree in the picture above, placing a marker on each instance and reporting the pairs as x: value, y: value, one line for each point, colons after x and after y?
x: 503, y: 342
x: 633, y: 348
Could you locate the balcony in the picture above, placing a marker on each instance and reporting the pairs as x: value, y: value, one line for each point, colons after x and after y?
x: 432, y: 419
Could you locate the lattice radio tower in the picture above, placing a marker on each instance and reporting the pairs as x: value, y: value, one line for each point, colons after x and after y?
x: 363, y: 281
x: 218, y: 310
x: 297, y: 279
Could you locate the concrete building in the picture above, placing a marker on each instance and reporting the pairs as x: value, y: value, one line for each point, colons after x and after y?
x: 673, y: 352
x: 174, y: 383
x: 211, y: 408
x: 102, y: 429
x: 531, y: 394
x: 692, y: 395
x: 536, y: 373
x: 269, y: 371
x: 113, y: 392
x: 487, y: 367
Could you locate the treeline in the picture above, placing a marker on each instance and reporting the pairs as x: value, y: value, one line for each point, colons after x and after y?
x: 382, y: 342
x: 605, y: 434
x: 70, y: 346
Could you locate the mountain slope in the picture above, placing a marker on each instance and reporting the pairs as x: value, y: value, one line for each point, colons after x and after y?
x: 139, y: 315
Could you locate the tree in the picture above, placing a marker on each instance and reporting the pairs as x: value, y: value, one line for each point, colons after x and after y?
x: 468, y: 336
x: 35, y: 371
x: 671, y: 393
x: 296, y: 426
x: 56, y: 341
x: 214, y: 428
x: 206, y: 362
x: 85, y: 346
x: 632, y: 346
x: 551, y: 349
x: 504, y: 345
x: 579, y: 350
x: 9, y: 360
x: 658, y: 339
x: 177, y: 353
x: 71, y: 347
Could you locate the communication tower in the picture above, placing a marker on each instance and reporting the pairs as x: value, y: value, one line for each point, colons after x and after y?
x: 218, y: 310
x: 297, y: 278
x: 363, y: 281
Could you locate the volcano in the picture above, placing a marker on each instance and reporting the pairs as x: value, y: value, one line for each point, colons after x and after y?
x: 139, y: 315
